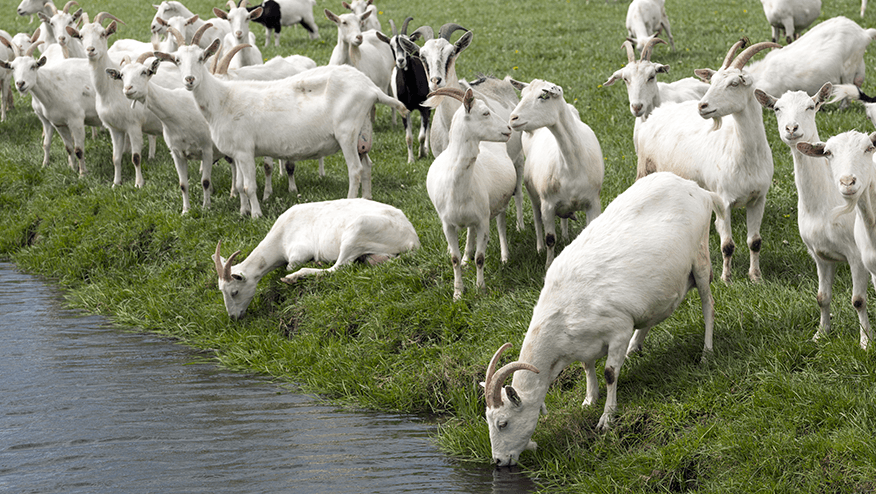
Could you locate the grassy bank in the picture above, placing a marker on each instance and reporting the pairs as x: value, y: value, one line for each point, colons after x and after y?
x: 771, y: 411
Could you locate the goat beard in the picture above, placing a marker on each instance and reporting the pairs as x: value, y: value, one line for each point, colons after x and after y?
x: 717, y: 123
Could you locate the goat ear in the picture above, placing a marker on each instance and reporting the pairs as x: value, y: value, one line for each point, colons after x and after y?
x: 463, y: 42
x: 822, y: 95
x: 765, y: 99
x: 662, y: 69
x: 43, y: 17
x: 704, y: 74
x: 409, y: 47
x: 156, y: 6
x: 331, y: 16
x: 220, y: 13
x: 815, y: 150
x: 255, y: 13
x: 364, y: 16
x: 212, y: 49
x: 164, y: 56
x: 347, y: 6
x: 114, y: 74
x: 517, y: 84
x: 154, y: 68
x: 4, y: 64
x: 872, y: 138
x: 614, y: 78
x: 73, y: 32
x: 110, y: 29
x: 512, y: 396
x: 77, y: 14
x: 468, y: 100
x: 192, y: 20
x: 42, y: 61
x: 382, y: 37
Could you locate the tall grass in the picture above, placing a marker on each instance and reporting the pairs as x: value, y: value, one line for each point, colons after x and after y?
x: 770, y: 411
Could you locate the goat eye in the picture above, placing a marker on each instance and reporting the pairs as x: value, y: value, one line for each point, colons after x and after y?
x: 502, y: 425
x: 544, y: 96
x: 234, y: 293
x: 651, y: 78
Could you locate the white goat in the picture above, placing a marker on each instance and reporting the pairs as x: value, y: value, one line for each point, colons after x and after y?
x: 8, y: 52
x: 850, y: 155
x: 832, y: 51
x: 314, y: 114
x: 829, y: 239
x: 643, y: 90
x: 439, y: 58
x: 645, y: 20
x: 239, y: 17
x: 733, y: 159
x: 185, y: 129
x: 167, y: 9
x: 126, y: 124
x: 790, y: 16
x: 63, y: 98
x: 471, y: 182
x: 628, y: 270
x: 368, y: 51
x: 58, y: 23
x: 31, y: 7
x: 343, y: 230
x: 359, y: 7
x: 564, y: 166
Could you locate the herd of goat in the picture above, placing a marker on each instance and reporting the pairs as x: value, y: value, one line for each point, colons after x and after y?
x: 202, y: 84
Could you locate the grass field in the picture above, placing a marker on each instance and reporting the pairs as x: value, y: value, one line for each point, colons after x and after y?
x: 771, y: 411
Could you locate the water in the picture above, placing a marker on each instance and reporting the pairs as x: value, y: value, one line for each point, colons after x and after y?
x: 86, y: 407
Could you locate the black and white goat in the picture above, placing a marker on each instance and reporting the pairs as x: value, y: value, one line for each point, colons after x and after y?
x: 410, y: 85
x: 279, y: 13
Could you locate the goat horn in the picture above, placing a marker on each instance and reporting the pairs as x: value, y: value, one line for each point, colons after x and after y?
x: 732, y: 53
x: 217, y: 260
x: 649, y: 47
x: 448, y: 29
x: 226, y: 270
x: 196, y: 39
x: 424, y: 31
x: 453, y: 92
x: 68, y: 5
x: 404, y: 29
x: 52, y: 6
x: 502, y: 374
x: 222, y: 67
x: 31, y: 48
x: 491, y: 369
x: 394, y: 30
x: 631, y: 53
x: 180, y: 39
x: 749, y: 52
x: 106, y: 15
x: 35, y: 35
x: 242, y: 4
x: 143, y: 56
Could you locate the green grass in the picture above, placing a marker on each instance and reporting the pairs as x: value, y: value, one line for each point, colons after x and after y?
x: 771, y: 411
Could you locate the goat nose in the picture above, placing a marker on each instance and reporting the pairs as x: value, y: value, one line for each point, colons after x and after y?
x: 702, y: 106
x: 359, y: 38
x: 239, y: 34
x: 436, y: 80
x: 20, y: 84
x: 189, y: 79
x: 637, y: 107
x: 847, y: 180
x: 791, y: 128
x: 128, y: 89
x: 514, y: 118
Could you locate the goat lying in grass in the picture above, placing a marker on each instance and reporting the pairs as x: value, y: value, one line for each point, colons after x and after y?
x: 344, y: 230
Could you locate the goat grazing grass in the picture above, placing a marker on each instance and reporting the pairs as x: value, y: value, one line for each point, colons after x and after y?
x: 770, y: 410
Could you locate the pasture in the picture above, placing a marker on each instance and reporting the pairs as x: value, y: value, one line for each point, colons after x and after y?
x: 769, y: 411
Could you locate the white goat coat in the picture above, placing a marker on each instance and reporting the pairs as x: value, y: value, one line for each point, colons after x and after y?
x: 832, y: 51
x: 790, y: 16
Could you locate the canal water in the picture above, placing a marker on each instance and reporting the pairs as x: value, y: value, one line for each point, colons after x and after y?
x: 92, y: 408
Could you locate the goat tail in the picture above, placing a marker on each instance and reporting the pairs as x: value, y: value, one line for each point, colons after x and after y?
x: 718, y: 205
x: 850, y: 91
x: 871, y: 33
x: 391, y: 102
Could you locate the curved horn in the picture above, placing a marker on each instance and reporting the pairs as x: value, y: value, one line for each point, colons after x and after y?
x: 241, y: 4
x: 52, y: 6
x: 749, y: 52
x: 196, y: 39
x: 68, y: 5
x: 491, y: 369
x: 226, y: 270
x: 448, y: 29
x: 106, y: 15
x: 35, y: 35
x: 453, y: 92
x: 178, y: 36
x: 394, y: 30
x: 31, y: 48
x: 631, y: 52
x: 217, y: 260
x: 222, y: 66
x: 649, y: 47
x: 502, y: 374
x: 732, y: 53
x: 143, y: 56
x: 423, y: 31
x: 404, y: 29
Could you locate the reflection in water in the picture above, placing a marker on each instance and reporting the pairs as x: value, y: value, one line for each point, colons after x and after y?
x: 85, y: 407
